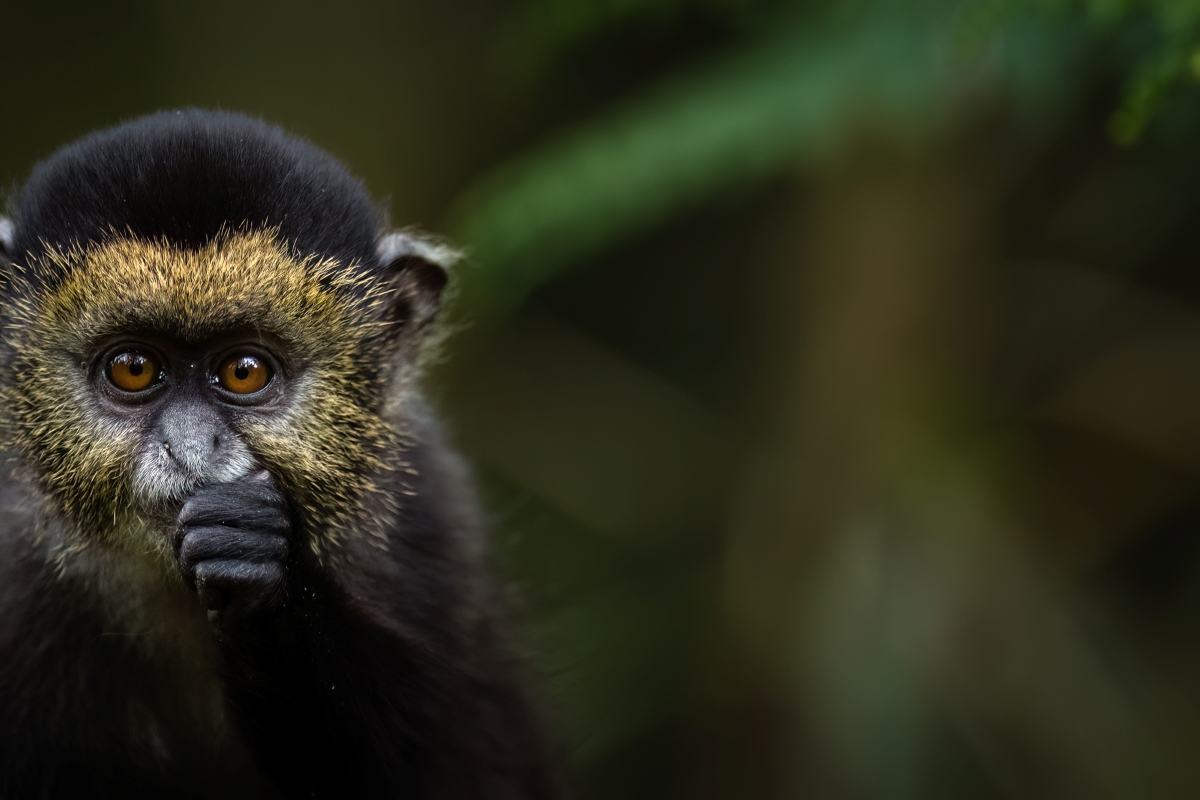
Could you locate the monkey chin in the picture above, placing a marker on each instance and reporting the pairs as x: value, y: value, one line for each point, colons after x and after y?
x: 159, y: 490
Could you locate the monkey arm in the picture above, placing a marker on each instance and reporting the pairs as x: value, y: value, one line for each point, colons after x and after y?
x: 370, y: 689
x: 332, y: 702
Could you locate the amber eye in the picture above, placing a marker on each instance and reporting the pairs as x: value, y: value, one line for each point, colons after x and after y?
x: 133, y: 371
x: 244, y: 374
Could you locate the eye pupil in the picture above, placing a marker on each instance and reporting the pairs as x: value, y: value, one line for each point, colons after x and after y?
x: 242, y: 372
x: 135, y: 368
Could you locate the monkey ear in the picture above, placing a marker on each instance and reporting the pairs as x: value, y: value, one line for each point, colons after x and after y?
x: 416, y: 268
x: 8, y: 251
x: 8, y: 239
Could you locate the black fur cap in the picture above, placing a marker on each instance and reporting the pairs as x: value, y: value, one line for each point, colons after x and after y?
x: 183, y: 176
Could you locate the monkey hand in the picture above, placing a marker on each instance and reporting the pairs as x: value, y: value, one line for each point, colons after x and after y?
x: 231, y: 544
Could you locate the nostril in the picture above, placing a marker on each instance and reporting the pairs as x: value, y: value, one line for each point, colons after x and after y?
x: 216, y: 442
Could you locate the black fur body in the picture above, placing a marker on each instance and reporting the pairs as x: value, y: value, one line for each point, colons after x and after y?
x: 267, y: 633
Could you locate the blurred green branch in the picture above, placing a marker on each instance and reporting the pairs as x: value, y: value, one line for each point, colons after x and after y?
x: 747, y: 117
x: 898, y: 70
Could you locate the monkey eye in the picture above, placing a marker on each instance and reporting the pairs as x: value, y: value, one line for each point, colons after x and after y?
x: 133, y: 371
x: 243, y: 374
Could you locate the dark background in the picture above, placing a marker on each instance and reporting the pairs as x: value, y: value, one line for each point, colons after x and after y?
x: 831, y: 370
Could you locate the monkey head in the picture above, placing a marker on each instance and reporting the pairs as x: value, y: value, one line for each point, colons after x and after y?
x: 146, y: 362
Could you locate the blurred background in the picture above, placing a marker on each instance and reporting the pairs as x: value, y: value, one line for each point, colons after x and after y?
x: 830, y: 369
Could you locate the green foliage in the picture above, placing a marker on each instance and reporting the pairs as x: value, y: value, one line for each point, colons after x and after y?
x: 1172, y: 57
x: 810, y: 80
x: 751, y: 115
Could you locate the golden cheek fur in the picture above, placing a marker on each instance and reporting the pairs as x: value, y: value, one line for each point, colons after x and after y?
x: 333, y: 440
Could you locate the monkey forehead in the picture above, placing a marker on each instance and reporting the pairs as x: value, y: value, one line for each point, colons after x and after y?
x: 238, y: 281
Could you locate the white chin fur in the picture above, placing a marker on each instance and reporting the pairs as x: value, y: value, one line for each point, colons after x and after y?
x: 159, y: 478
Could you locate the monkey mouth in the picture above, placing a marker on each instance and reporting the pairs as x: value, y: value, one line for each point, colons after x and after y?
x: 164, y: 482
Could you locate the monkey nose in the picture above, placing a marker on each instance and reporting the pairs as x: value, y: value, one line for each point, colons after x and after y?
x: 192, y: 453
x: 190, y: 437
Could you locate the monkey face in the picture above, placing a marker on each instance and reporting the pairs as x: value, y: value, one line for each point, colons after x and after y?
x: 184, y: 404
x: 144, y: 371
